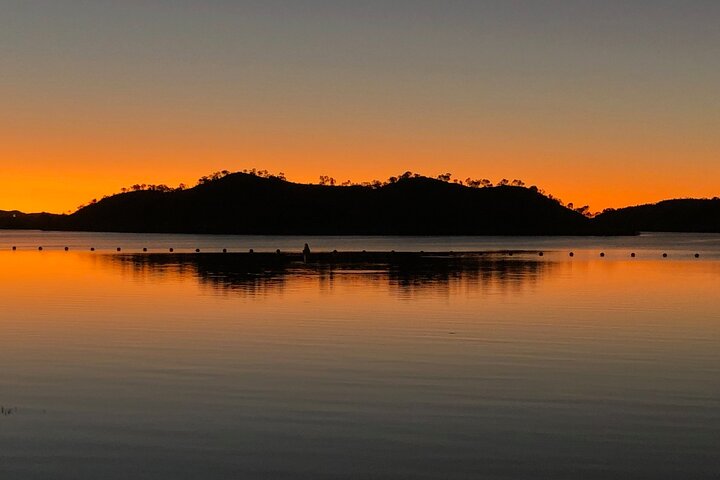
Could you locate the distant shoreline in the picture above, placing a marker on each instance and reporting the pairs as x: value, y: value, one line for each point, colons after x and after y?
x: 306, y: 234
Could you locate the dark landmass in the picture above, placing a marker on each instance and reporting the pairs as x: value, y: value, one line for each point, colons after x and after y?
x: 247, y: 204
x: 683, y: 215
x: 30, y: 221
x: 243, y: 203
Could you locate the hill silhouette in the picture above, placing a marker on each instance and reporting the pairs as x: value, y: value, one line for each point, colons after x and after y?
x: 681, y: 215
x: 242, y: 203
x: 14, y: 219
x: 246, y: 203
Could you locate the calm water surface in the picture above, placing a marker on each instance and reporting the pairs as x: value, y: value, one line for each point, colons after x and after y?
x: 647, y: 244
x: 126, y: 365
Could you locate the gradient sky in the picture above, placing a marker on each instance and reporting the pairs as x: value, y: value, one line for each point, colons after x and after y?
x: 606, y: 103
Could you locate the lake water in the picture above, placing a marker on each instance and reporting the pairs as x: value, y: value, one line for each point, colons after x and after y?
x: 124, y: 365
x: 648, y: 244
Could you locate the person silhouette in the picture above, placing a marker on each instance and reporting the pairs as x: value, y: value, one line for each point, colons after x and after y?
x: 306, y: 253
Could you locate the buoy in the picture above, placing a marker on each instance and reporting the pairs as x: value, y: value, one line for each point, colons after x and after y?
x: 364, y: 251
x: 510, y: 254
x: 92, y: 249
x: 119, y: 249
x: 251, y: 251
x: 697, y: 255
x: 540, y: 254
x: 334, y: 251
x: 66, y: 249
x: 144, y: 249
x: 572, y: 254
x: 224, y: 250
x: 40, y: 248
x: 14, y: 248
x: 172, y: 250
x: 632, y: 255
x: 602, y: 254
x: 197, y: 250
x: 277, y: 251
x: 664, y: 255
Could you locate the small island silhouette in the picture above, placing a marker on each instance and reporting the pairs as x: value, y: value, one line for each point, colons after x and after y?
x: 410, y: 204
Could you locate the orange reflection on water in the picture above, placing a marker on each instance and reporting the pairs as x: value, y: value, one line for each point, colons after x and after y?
x: 143, y: 290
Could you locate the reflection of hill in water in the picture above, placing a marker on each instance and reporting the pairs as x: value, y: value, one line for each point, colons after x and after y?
x: 407, y: 274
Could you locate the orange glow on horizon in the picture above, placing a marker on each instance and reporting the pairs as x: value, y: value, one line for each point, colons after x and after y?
x: 58, y: 162
x: 71, y: 182
x: 63, y: 168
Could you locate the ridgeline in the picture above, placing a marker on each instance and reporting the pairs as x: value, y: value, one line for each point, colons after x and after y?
x: 681, y: 215
x: 241, y: 203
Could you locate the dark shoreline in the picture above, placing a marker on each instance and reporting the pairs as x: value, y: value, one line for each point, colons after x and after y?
x: 622, y: 233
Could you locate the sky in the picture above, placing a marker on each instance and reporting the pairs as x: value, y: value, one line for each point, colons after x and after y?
x: 606, y: 103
